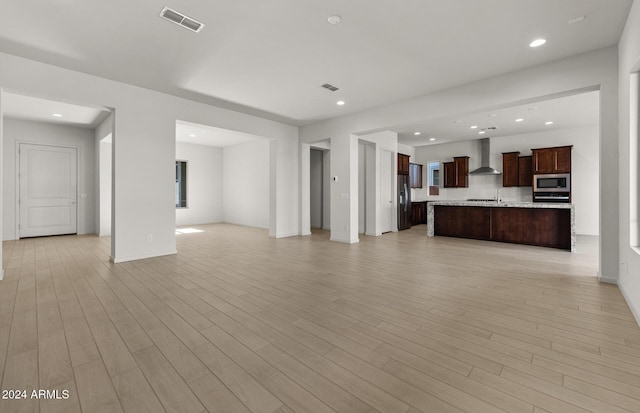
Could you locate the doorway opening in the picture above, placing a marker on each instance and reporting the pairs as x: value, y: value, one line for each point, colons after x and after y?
x: 221, y: 176
x: 319, y: 189
x: 51, y: 184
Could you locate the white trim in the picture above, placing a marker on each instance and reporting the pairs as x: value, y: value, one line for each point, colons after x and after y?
x: 143, y: 256
x: 17, y: 183
x: 291, y: 234
x: 634, y: 310
x: 608, y: 280
x: 345, y: 241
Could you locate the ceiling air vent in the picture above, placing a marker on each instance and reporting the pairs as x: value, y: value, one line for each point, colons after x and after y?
x: 179, y: 18
x: 330, y: 87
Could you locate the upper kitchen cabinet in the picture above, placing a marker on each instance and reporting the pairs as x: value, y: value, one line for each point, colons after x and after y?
x: 415, y: 175
x: 525, y: 172
x: 510, y: 168
x: 516, y: 169
x: 552, y: 160
x: 403, y: 164
x: 456, y: 173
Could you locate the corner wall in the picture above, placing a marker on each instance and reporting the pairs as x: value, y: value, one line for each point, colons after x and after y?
x: 204, y: 184
x: 245, y: 183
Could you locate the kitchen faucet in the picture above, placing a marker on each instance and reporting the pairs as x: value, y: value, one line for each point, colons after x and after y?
x: 498, y: 195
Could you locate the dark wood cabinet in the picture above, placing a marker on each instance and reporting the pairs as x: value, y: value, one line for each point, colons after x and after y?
x: 418, y: 213
x: 449, y: 174
x: 456, y: 173
x: 562, y: 159
x: 516, y: 170
x: 525, y: 173
x: 415, y: 175
x: 552, y: 160
x: 532, y: 226
x: 510, y: 168
x: 545, y: 227
x: 403, y: 164
x: 462, y: 222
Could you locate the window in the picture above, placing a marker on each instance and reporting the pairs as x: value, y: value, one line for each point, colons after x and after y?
x: 434, y: 178
x: 181, y: 184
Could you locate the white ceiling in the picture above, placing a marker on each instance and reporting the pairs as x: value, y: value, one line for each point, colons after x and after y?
x: 270, y: 57
x: 43, y: 110
x: 580, y: 110
x: 207, y: 135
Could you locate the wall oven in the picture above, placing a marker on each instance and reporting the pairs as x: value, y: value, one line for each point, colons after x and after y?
x: 552, y: 188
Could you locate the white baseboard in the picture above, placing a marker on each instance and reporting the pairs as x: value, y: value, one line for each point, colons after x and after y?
x: 608, y: 280
x: 292, y: 234
x: 634, y: 310
x: 346, y: 241
x: 142, y: 256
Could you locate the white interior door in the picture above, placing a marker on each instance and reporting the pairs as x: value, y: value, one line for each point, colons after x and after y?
x: 386, y: 191
x: 47, y: 190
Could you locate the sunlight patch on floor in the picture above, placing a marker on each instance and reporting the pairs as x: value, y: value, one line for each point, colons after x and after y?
x: 187, y: 231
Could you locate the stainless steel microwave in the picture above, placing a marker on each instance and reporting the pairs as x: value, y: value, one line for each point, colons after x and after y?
x: 552, y: 183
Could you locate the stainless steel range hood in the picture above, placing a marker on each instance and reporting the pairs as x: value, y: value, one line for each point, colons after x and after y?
x: 485, y: 151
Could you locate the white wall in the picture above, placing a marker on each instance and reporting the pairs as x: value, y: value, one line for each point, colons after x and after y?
x: 105, y: 150
x: 407, y: 150
x: 104, y: 175
x: 144, y: 151
x: 204, y: 184
x: 317, y: 183
x: 326, y: 190
x: 586, y: 72
x: 585, y: 168
x: 36, y: 132
x: 629, y: 62
x: 245, y: 183
x: 375, y: 143
x: 1, y: 173
x: 362, y: 187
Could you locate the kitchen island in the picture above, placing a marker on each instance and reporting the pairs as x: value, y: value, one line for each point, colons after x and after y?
x: 539, y: 224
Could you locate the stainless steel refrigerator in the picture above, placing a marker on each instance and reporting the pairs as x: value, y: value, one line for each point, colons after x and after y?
x: 404, y: 203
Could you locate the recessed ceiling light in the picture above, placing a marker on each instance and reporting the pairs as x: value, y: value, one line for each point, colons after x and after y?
x: 432, y: 139
x: 335, y: 19
x: 519, y: 120
x: 416, y: 133
x: 340, y: 102
x: 493, y: 115
x: 482, y: 132
x: 537, y: 42
x: 193, y: 135
x: 474, y: 127
x: 57, y: 115
x: 549, y: 123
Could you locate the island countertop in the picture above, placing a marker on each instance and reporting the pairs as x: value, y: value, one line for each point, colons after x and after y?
x: 502, y: 204
x: 490, y: 227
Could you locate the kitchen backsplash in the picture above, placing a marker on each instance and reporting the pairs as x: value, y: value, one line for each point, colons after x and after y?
x: 481, y: 187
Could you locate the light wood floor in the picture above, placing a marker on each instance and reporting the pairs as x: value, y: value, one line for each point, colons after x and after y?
x: 238, y: 322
